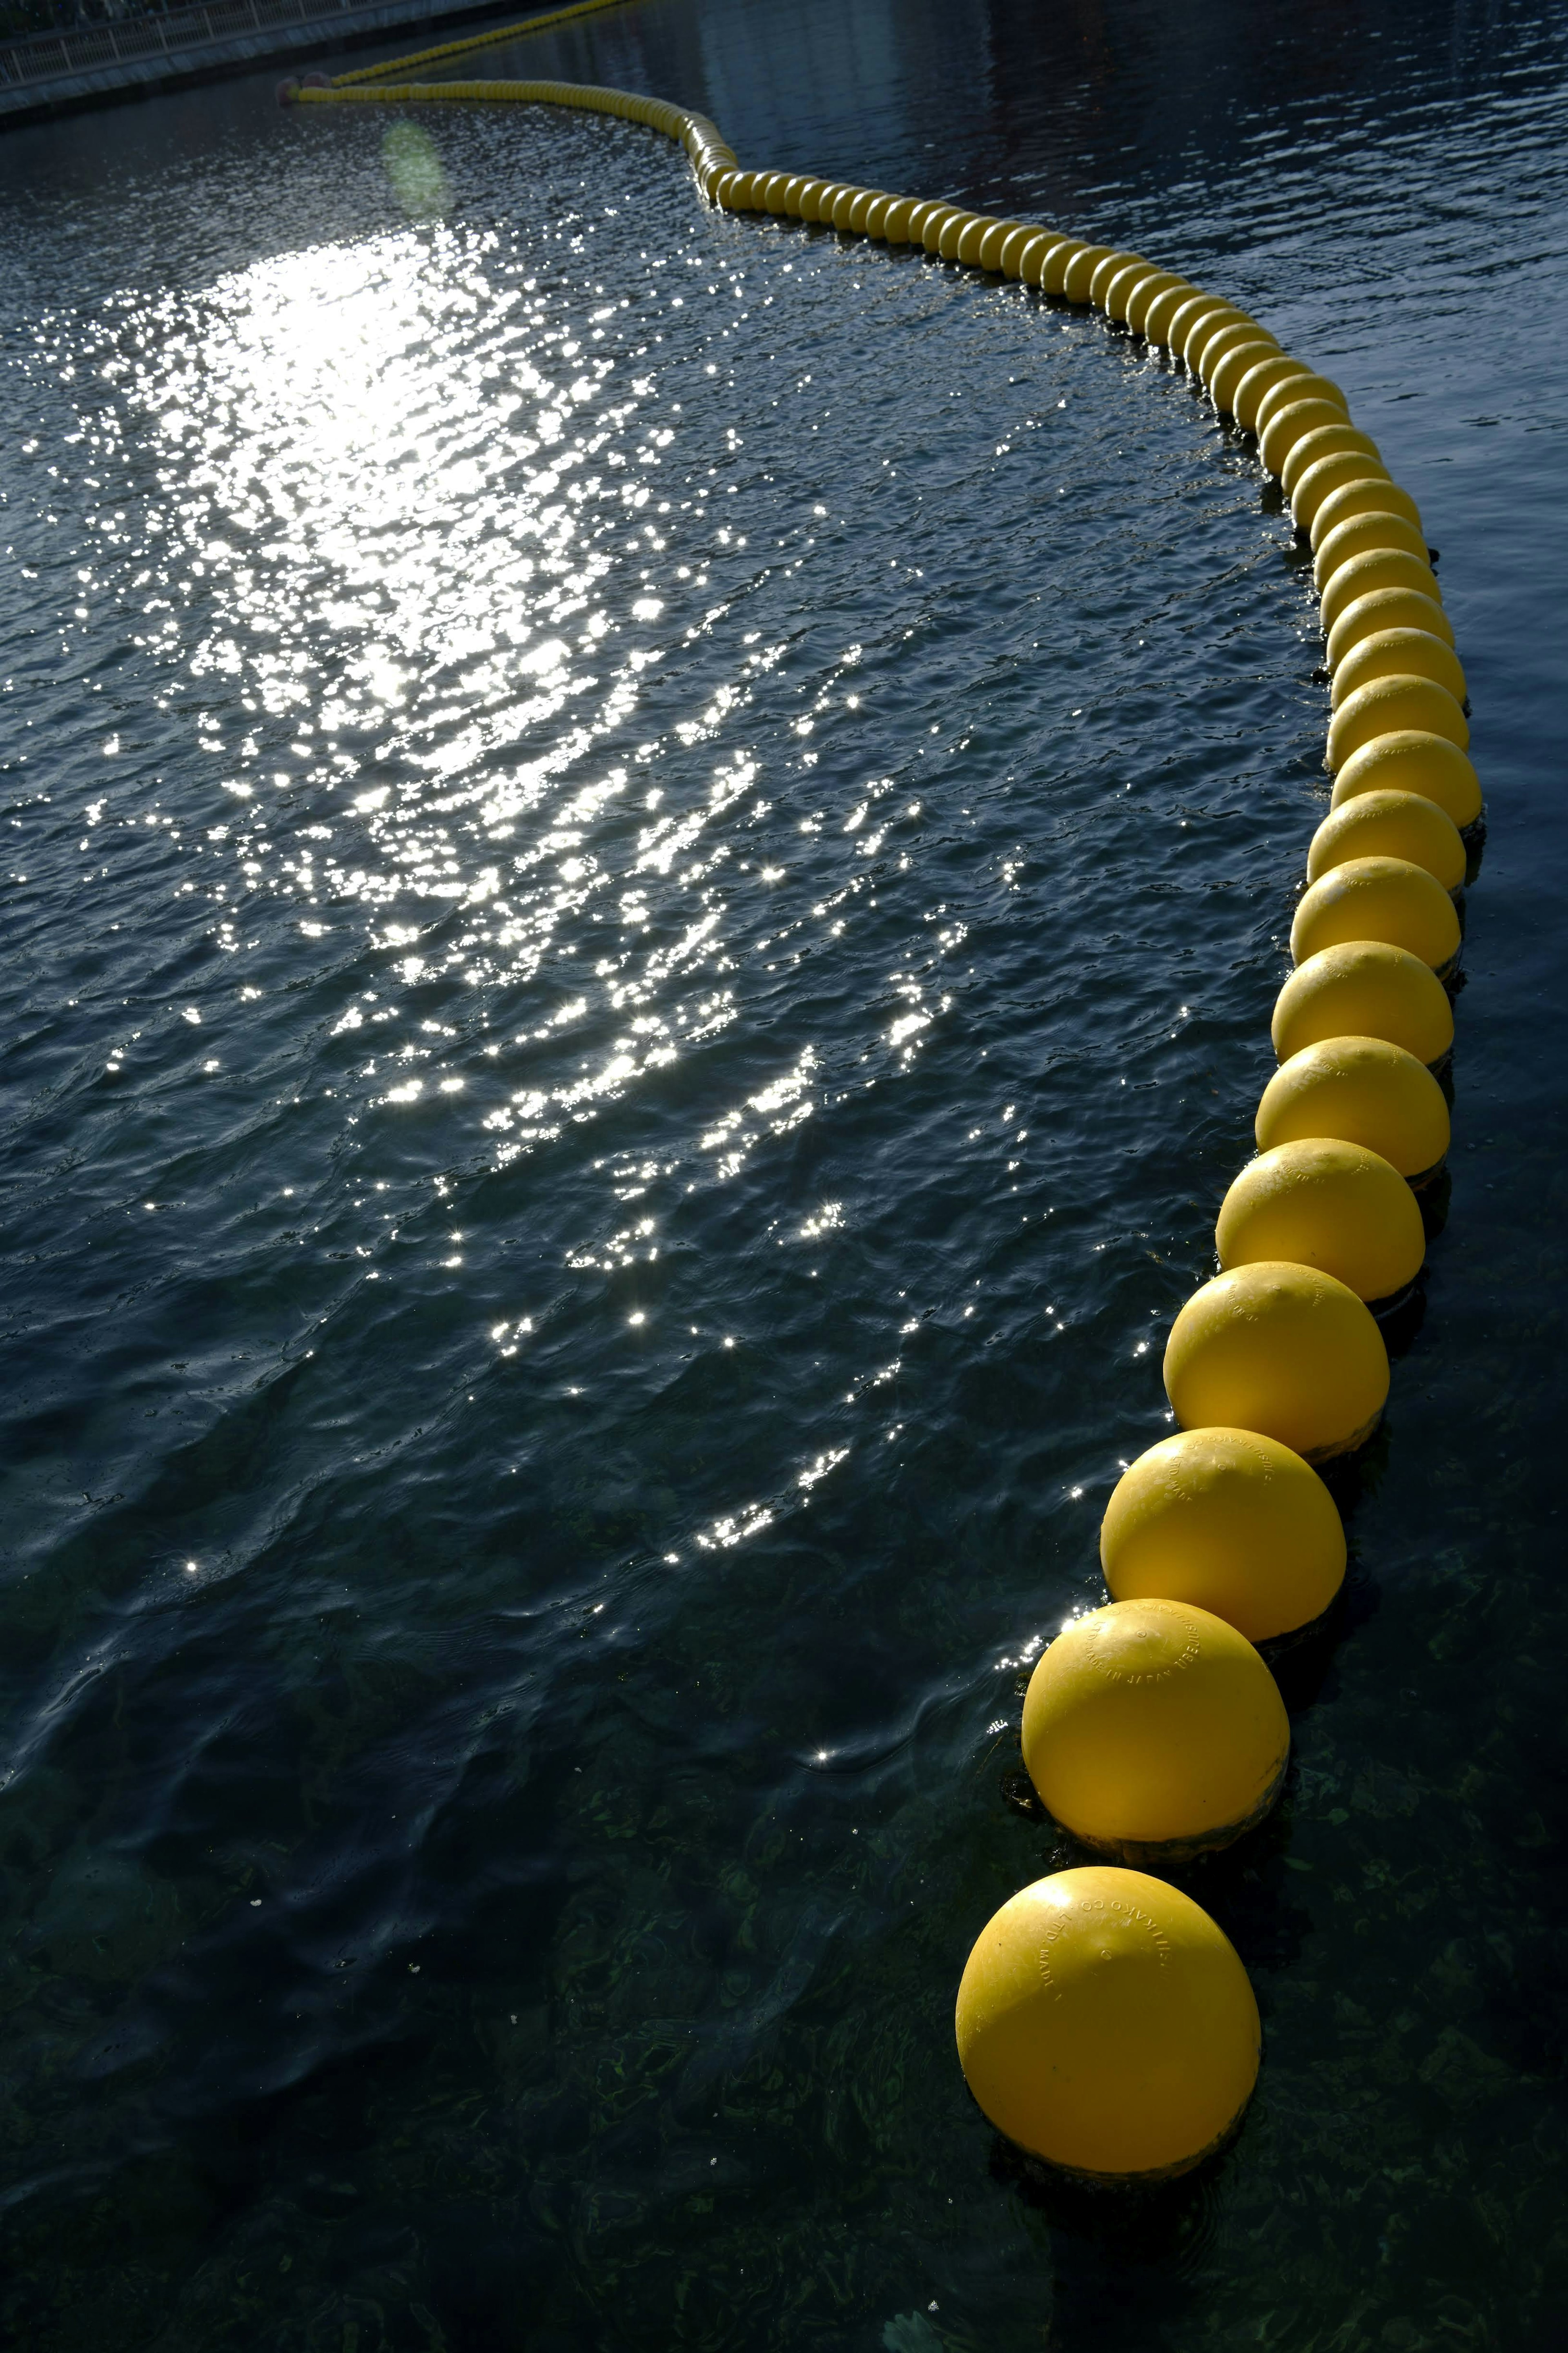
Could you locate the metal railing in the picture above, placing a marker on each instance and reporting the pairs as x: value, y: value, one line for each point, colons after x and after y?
x: 47, y: 56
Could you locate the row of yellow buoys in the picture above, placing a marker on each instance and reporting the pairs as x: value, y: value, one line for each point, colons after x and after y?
x: 1104, y: 2021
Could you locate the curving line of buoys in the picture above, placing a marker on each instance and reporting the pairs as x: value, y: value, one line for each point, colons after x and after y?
x: 1104, y: 2021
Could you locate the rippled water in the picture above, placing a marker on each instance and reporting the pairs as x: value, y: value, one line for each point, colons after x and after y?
x: 647, y: 856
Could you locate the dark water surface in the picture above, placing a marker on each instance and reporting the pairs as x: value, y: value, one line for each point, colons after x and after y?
x: 646, y: 857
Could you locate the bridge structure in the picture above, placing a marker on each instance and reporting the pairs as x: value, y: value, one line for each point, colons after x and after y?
x: 57, y: 72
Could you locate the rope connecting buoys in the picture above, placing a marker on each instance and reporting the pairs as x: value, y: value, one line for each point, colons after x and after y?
x: 1105, y: 2023
x: 1103, y: 2020
x: 1154, y: 1732
x: 1231, y: 1522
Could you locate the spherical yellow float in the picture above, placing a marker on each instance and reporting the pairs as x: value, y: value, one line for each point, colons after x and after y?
x: 1153, y: 1732
x: 1401, y: 607
x: 995, y: 237
x: 1398, y: 651
x: 1163, y: 285
x: 1291, y: 390
x: 1391, y: 706
x: 1321, y: 480
x: 1372, y: 573
x: 1373, y: 494
x: 1105, y: 2024
x: 1209, y: 341
x: 1080, y: 269
x: 1199, y: 309
x: 1231, y: 371
x: 1364, y: 988
x: 1323, y: 441
x: 1159, y: 281
x: 1258, y: 381
x: 954, y: 229
x: 1364, y: 535
x: 1390, y: 823
x: 1281, y: 1349
x: 1162, y: 308
x: 1411, y: 761
x: 1231, y: 1522
x: 1212, y: 351
x: 1291, y: 422
x: 1378, y: 899
x: 1110, y: 267
x: 1326, y: 1203
x: 1122, y: 289
x: 1358, y: 1090
x: 935, y: 221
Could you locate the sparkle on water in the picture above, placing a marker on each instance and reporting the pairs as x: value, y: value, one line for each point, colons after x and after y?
x: 647, y: 857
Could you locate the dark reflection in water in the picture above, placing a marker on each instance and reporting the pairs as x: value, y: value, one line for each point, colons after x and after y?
x: 647, y: 859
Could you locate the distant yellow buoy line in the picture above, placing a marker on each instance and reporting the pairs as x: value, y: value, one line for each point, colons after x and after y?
x: 1104, y: 2021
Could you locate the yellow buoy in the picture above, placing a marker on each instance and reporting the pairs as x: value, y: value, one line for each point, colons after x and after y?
x: 1386, y: 608
x: 1211, y: 351
x: 1290, y: 391
x: 1146, y: 291
x: 1412, y: 761
x: 1325, y: 1203
x: 1261, y: 380
x: 1080, y: 269
x: 1231, y: 371
x: 1164, y: 286
x: 1398, y: 651
x: 1282, y: 1349
x: 1323, y: 441
x: 1105, y: 2024
x: 1211, y: 331
x: 1211, y: 341
x: 1377, y: 899
x: 1232, y: 1522
x: 1319, y: 484
x: 991, y: 244
x: 1373, y: 493
x: 1153, y: 1732
x: 1358, y: 1090
x: 1110, y: 267
x: 973, y: 239
x: 1188, y: 314
x: 1379, y: 569
x: 1364, y: 988
x: 1119, y: 292
x: 1390, y: 825
x: 1012, y: 246
x: 1291, y: 422
x: 954, y: 229
x: 1163, y: 308
x: 1047, y: 264
x: 1391, y: 706
x: 936, y: 221
x: 1364, y: 535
